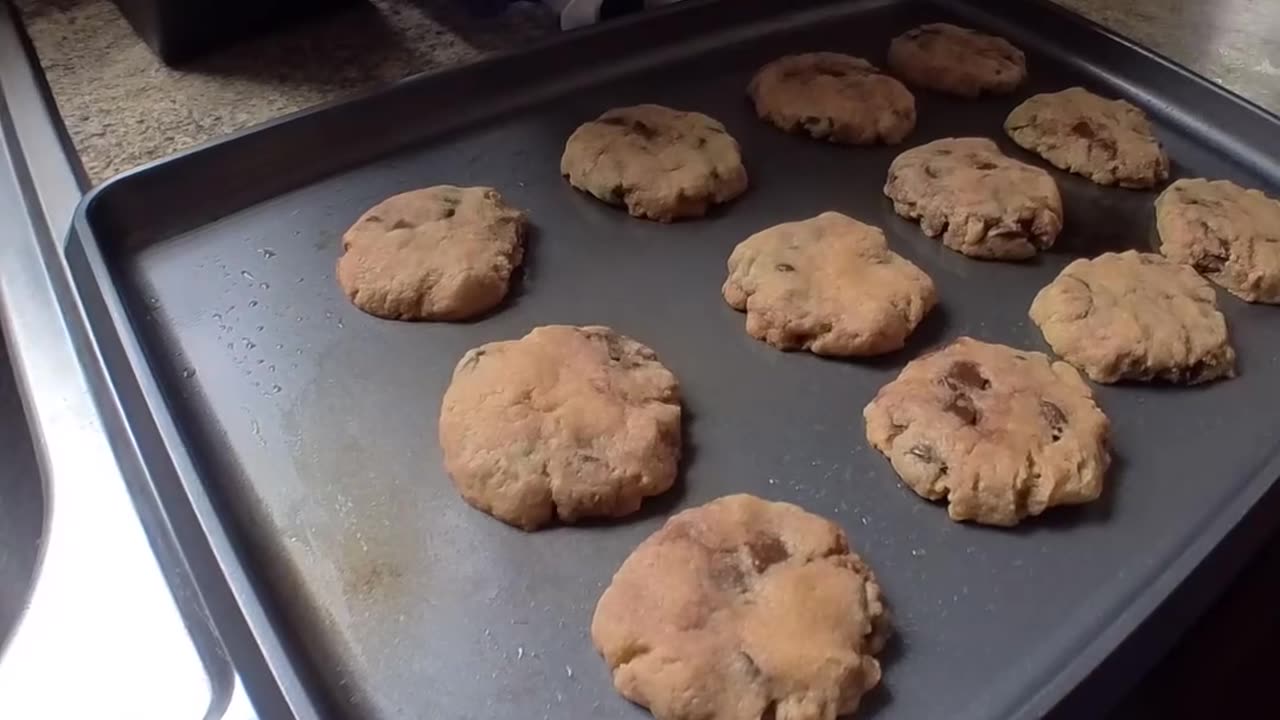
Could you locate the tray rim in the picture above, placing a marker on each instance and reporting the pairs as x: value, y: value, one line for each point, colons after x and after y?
x: 1163, y: 609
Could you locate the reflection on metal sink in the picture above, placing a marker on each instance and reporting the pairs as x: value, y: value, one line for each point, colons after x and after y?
x: 22, y: 504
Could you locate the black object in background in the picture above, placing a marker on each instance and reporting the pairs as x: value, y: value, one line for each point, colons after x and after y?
x: 179, y: 30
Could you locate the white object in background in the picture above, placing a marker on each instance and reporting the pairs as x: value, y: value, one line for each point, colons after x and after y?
x: 577, y: 13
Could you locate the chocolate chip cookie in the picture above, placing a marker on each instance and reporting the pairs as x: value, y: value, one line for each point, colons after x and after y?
x: 1135, y: 316
x: 830, y: 285
x: 567, y: 422
x: 1230, y: 234
x: 1108, y: 141
x: 440, y: 253
x: 957, y: 60
x: 743, y: 609
x: 833, y: 97
x: 983, y: 203
x: 999, y: 433
x: 659, y: 163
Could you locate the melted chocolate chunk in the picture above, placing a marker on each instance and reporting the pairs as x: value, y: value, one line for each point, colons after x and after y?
x: 1083, y: 129
x: 1054, y: 416
x: 965, y: 373
x: 767, y: 551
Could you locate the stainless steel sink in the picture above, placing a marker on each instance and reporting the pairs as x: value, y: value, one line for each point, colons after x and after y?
x: 99, y: 616
x: 22, y: 504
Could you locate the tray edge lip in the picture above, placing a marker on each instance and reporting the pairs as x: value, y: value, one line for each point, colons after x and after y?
x: 1069, y: 677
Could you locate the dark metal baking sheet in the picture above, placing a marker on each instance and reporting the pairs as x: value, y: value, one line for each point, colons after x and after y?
x: 293, y: 437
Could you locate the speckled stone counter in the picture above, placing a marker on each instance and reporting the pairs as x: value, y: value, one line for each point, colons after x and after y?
x: 123, y: 107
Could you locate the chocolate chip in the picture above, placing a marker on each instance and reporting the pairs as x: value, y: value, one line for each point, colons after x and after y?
x: 1054, y: 416
x: 766, y: 551
x: 645, y: 131
x: 613, y: 121
x: 770, y: 711
x: 1083, y: 129
x: 1106, y: 145
x: 401, y: 224
x: 448, y: 213
x: 985, y: 166
x: 617, y: 194
x: 965, y: 373
x: 783, y: 267
x: 926, y: 454
x: 1210, y: 263
x: 830, y: 72
x: 702, y: 142
x: 961, y: 405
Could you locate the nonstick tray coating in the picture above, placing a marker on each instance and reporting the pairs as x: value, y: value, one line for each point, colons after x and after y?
x: 293, y: 438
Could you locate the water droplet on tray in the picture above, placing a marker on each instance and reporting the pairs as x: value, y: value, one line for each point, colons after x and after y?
x: 267, y: 253
x: 276, y: 389
x: 253, y: 303
x: 264, y: 286
x: 246, y: 274
x: 188, y: 372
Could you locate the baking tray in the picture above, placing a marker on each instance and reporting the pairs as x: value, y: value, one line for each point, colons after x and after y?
x: 292, y: 438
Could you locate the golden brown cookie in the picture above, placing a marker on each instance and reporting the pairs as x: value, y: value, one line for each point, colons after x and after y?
x: 1000, y: 434
x: 1230, y: 234
x: 983, y: 203
x: 441, y: 253
x: 834, y: 97
x: 957, y: 60
x: 1135, y: 316
x: 660, y: 163
x: 743, y: 609
x: 830, y: 285
x: 567, y: 422
x: 1108, y: 141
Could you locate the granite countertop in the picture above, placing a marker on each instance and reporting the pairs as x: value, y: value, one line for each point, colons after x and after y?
x: 123, y: 107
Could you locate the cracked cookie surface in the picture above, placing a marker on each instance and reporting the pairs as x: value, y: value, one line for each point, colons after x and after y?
x: 440, y: 253
x: 999, y: 433
x: 1108, y: 141
x: 566, y: 422
x: 981, y: 202
x: 1230, y: 234
x: 830, y: 285
x: 1135, y: 316
x: 833, y: 97
x: 957, y: 60
x: 743, y: 609
x: 659, y: 163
